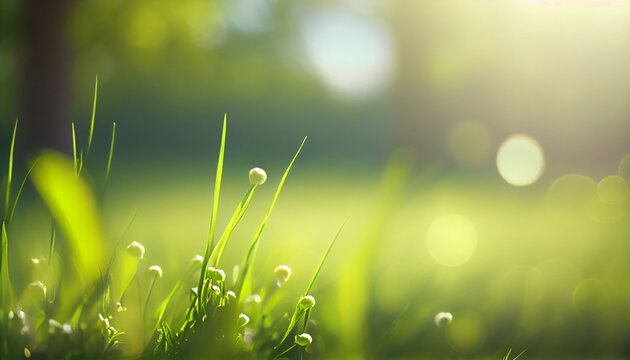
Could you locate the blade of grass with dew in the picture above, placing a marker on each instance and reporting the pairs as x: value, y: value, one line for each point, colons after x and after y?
x: 215, y: 208
x: 10, y: 173
x: 19, y: 193
x: 244, y: 282
x: 72, y: 203
x: 109, y: 159
x: 89, y: 144
x: 298, y: 313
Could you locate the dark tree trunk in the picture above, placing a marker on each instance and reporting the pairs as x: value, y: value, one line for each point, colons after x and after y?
x: 46, y: 75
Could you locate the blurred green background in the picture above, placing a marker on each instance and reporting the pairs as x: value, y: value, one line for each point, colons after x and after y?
x: 545, y: 266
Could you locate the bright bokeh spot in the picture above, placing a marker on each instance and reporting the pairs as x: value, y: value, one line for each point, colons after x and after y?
x: 470, y: 143
x: 612, y: 190
x: 520, y: 160
x: 352, y: 53
x: 452, y: 239
x: 624, y: 168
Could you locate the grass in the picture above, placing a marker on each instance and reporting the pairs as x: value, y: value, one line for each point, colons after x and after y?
x: 89, y: 305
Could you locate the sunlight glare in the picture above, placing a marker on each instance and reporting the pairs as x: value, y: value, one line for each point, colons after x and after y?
x: 520, y: 160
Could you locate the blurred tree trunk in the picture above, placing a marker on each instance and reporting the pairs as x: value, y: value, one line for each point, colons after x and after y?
x: 46, y: 75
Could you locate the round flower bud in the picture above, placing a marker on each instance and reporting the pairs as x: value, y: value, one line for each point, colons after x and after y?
x: 257, y: 176
x: 307, y: 302
x: 156, y: 270
x: 216, y: 274
x: 303, y: 339
x: 35, y: 261
x: 216, y: 289
x: 136, y: 249
x: 443, y: 319
x: 243, y: 320
x: 283, y: 273
x: 27, y: 353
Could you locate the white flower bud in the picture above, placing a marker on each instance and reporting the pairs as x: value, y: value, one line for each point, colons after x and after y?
x: 307, y: 302
x: 283, y: 273
x: 216, y: 274
x: 303, y: 339
x: 156, y: 270
x: 230, y: 295
x: 216, y: 289
x: 67, y: 329
x: 35, y: 261
x: 257, y: 176
x: 136, y: 249
x: 443, y: 319
x: 243, y: 320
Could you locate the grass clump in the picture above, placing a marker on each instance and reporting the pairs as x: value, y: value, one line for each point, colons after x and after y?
x: 99, y: 296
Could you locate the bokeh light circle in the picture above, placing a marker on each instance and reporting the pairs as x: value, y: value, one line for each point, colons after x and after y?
x: 452, y: 239
x: 520, y: 160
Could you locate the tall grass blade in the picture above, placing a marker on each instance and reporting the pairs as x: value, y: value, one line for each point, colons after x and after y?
x: 244, y: 279
x: 299, y: 313
x: 215, y: 208
x: 74, y: 150
x: 321, y: 263
x: 10, y: 174
x: 109, y: 159
x: 73, y: 206
x: 6, y: 290
x: 19, y: 193
x: 215, y: 256
x: 89, y: 144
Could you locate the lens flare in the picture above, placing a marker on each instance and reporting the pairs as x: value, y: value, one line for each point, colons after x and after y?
x: 520, y: 160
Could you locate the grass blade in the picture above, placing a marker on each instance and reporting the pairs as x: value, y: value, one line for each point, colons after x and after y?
x: 89, y: 144
x: 299, y: 313
x: 215, y: 208
x: 253, y: 246
x: 72, y: 203
x: 109, y: 159
x: 74, y: 150
x: 10, y: 174
x: 17, y: 196
x: 321, y: 263
x: 215, y: 256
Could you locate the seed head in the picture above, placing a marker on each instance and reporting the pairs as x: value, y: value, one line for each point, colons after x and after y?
x: 303, y: 339
x: 156, y: 270
x: 216, y: 274
x: 136, y: 249
x: 443, y: 319
x: 243, y: 320
x: 283, y: 273
x: 257, y: 176
x: 307, y: 302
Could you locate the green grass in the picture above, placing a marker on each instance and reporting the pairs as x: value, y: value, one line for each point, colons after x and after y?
x: 91, y: 304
